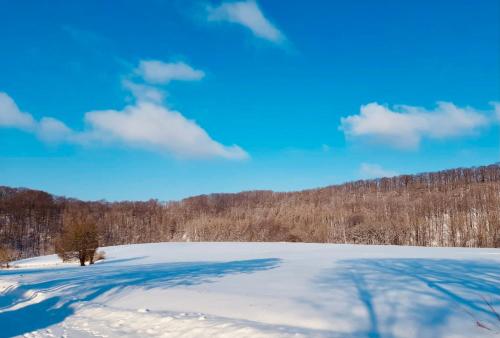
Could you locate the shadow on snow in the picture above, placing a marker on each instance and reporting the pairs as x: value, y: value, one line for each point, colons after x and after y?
x: 425, y: 291
x: 66, y: 287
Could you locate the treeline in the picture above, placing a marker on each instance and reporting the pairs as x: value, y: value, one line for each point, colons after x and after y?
x: 458, y: 207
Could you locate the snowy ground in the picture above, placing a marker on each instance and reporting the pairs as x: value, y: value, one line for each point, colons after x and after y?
x: 256, y: 290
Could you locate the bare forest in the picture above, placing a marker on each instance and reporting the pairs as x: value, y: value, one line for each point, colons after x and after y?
x: 458, y: 207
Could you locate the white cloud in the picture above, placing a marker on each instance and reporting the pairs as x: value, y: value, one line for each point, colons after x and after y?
x: 146, y: 123
x: 11, y: 116
x: 47, y: 129
x: 159, y: 72
x: 248, y: 14
x: 405, y: 126
x: 369, y: 171
x: 151, y: 125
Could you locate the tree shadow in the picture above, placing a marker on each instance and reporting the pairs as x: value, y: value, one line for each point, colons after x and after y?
x: 66, y: 287
x: 423, y: 292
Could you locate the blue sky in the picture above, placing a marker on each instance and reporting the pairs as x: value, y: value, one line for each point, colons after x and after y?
x: 168, y: 99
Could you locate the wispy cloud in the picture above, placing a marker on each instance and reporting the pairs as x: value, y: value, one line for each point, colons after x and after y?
x: 11, y: 116
x: 496, y: 106
x: 147, y: 123
x: 405, y: 126
x: 159, y: 72
x: 248, y: 14
x: 50, y: 129
x: 370, y: 170
x: 143, y: 92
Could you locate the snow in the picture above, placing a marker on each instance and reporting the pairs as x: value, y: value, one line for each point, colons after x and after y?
x: 256, y: 290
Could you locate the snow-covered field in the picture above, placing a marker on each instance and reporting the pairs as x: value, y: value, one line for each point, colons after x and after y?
x: 256, y: 290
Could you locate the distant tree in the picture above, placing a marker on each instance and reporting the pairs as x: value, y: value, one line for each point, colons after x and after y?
x: 6, y: 256
x: 456, y: 207
x: 78, y: 240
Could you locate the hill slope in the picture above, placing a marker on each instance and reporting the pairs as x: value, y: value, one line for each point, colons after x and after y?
x: 256, y: 290
x: 458, y: 207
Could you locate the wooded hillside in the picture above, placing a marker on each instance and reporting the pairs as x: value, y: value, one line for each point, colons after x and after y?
x: 459, y: 207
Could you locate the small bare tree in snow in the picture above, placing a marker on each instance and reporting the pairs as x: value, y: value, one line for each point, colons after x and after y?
x: 78, y: 240
x: 6, y: 256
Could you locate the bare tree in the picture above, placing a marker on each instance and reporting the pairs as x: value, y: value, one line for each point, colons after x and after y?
x: 79, y: 239
x: 6, y: 256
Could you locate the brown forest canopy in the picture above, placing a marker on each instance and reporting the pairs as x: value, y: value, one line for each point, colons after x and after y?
x: 458, y: 207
